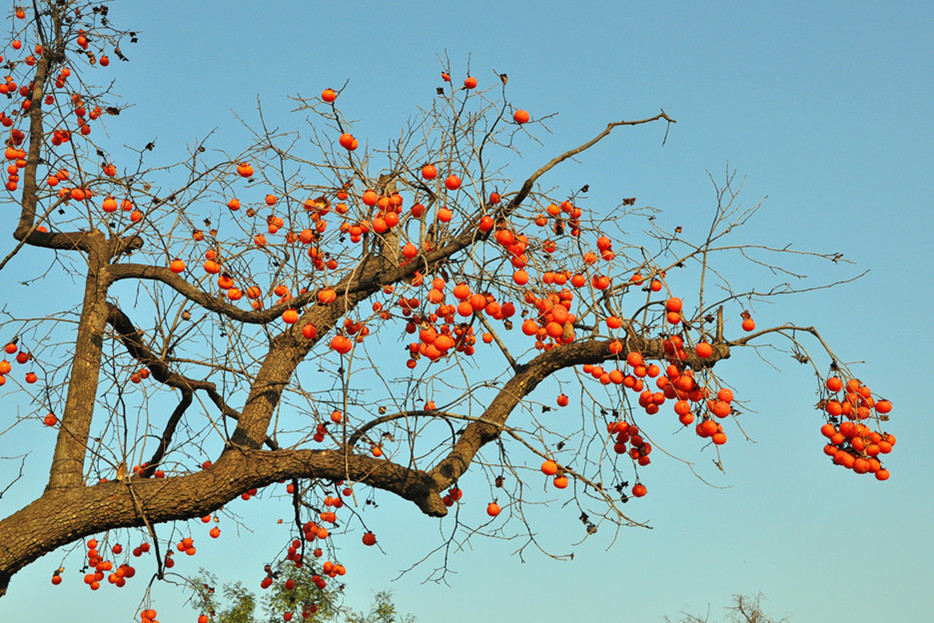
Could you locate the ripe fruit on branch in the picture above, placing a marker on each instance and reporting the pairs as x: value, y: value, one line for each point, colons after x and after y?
x: 852, y: 444
x: 521, y: 116
x: 369, y: 198
x: 452, y: 182
x: 341, y: 344
x: 348, y: 142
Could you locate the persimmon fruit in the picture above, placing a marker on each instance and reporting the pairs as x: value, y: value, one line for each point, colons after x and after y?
x: 347, y: 141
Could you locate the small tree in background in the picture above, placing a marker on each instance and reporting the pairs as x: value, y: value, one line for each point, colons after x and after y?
x: 295, y: 595
x: 744, y: 609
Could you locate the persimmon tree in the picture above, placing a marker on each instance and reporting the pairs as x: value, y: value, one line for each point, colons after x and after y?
x: 332, y: 319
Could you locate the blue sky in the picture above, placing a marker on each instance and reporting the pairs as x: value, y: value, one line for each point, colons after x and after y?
x: 824, y: 107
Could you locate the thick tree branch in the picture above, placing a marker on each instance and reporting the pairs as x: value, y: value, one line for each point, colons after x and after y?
x: 65, y: 515
x: 290, y: 348
x: 493, y: 420
x: 67, y: 468
x: 36, y: 135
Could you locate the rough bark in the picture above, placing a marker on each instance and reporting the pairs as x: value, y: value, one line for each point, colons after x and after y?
x: 64, y: 515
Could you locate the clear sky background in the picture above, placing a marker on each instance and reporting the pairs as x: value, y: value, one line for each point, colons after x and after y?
x: 824, y: 107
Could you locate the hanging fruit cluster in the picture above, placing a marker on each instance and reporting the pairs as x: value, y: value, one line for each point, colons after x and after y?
x: 851, y: 443
x: 22, y: 357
